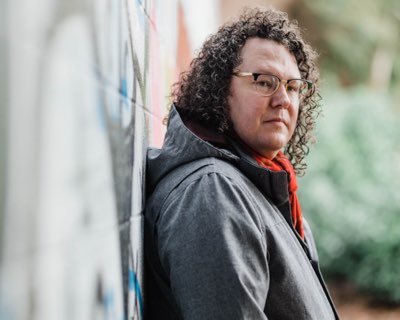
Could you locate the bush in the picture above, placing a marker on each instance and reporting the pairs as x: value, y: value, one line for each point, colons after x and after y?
x: 351, y: 193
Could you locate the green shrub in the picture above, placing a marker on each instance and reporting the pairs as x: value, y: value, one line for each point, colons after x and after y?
x: 351, y: 192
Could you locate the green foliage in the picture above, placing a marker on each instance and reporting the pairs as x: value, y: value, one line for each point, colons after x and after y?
x: 350, y: 34
x: 351, y: 191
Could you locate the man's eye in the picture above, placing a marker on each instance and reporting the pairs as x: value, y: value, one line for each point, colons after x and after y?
x: 293, y: 86
x: 265, y: 84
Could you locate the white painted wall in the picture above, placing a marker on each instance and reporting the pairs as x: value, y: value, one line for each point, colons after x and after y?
x: 86, y: 87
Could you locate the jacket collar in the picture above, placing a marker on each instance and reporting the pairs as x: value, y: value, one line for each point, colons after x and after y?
x: 187, y: 141
x: 272, y: 184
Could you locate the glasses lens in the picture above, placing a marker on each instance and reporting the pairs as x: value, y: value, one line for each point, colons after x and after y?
x: 266, y: 84
x: 299, y: 87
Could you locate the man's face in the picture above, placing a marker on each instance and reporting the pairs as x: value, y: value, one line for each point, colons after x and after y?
x: 265, y: 124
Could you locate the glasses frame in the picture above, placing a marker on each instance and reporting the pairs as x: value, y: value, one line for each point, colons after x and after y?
x: 255, y: 75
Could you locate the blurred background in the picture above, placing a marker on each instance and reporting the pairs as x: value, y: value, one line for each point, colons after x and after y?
x: 84, y: 85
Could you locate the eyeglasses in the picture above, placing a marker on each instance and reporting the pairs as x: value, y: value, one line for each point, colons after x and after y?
x: 267, y: 84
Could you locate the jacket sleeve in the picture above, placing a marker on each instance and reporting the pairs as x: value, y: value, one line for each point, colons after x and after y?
x: 213, y: 249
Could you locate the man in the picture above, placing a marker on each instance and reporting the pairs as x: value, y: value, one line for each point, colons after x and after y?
x: 224, y: 233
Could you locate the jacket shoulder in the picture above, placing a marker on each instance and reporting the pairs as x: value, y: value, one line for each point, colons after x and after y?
x: 216, y: 185
x: 191, y: 171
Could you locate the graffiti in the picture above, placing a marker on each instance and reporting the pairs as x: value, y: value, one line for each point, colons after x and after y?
x: 135, y: 286
x: 85, y: 93
x: 136, y: 310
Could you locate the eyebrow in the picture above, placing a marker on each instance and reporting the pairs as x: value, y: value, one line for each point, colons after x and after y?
x: 269, y: 69
x: 273, y: 74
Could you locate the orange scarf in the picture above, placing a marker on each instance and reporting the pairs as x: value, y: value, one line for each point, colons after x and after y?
x: 282, y: 163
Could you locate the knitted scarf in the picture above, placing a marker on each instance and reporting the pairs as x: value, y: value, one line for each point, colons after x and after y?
x: 282, y: 163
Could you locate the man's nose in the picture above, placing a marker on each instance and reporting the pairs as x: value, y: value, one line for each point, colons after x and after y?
x: 281, y: 98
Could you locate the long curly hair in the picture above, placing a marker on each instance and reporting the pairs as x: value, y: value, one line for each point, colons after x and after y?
x: 202, y: 92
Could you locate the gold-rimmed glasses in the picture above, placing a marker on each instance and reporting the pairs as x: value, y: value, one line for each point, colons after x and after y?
x: 267, y: 84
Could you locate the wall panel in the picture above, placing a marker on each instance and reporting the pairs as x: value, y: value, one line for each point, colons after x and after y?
x: 84, y: 89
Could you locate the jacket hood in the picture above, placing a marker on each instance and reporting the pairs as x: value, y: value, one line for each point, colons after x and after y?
x: 184, y: 142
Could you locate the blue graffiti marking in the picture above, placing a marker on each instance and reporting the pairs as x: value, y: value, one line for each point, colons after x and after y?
x: 134, y: 285
x: 108, y: 302
x: 124, y: 88
x: 124, y: 92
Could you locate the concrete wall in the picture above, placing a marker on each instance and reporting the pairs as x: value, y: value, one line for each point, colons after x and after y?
x: 84, y: 88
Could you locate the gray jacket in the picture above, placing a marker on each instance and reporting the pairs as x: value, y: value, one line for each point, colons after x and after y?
x: 219, y: 241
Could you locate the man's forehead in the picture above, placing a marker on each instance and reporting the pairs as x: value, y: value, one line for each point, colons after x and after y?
x: 264, y: 55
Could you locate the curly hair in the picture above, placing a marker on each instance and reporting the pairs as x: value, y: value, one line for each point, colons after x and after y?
x: 202, y: 92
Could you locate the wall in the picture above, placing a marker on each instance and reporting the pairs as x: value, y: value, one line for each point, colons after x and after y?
x: 84, y: 88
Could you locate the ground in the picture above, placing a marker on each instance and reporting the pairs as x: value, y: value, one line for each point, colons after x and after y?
x: 352, y: 305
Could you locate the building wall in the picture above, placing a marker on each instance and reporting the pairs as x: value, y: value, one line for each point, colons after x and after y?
x: 84, y: 88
